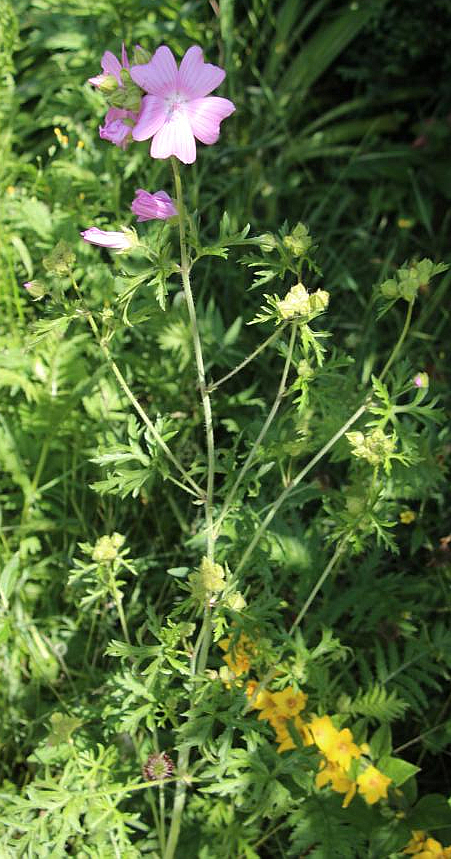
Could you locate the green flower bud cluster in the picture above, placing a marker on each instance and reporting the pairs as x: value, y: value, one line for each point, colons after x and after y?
x: 375, y: 447
x: 409, y: 279
x: 128, y: 96
x: 140, y: 56
x: 298, y: 302
x: 107, y: 548
x: 108, y: 84
x: 298, y: 242
x: 267, y: 242
x: 207, y: 580
x: 305, y: 371
x: 235, y: 601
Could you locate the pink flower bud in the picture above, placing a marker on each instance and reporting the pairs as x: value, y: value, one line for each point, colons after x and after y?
x: 147, y: 206
x: 115, y: 241
x: 421, y: 380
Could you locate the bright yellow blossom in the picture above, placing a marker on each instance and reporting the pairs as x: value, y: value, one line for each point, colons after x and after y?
x: 279, y: 722
x: 416, y: 842
x: 238, y: 656
x: 286, y: 743
x: 289, y: 701
x: 372, y: 784
x: 344, y: 749
x: 323, y: 732
x: 432, y: 849
x: 267, y: 705
x: 339, y: 780
x: 407, y: 517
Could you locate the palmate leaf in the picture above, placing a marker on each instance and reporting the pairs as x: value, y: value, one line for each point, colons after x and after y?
x: 321, y: 830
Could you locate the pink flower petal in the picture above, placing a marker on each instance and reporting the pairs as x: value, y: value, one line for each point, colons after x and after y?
x: 175, y: 138
x: 151, y: 117
x: 196, y: 78
x: 160, y: 75
x: 111, y: 66
x: 205, y: 116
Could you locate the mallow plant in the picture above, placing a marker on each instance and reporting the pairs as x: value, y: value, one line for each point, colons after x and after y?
x: 249, y: 732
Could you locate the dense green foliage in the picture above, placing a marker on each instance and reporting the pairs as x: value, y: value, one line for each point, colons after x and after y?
x: 102, y: 588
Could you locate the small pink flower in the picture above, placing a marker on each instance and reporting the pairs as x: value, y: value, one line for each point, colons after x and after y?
x: 116, y: 130
x: 176, y: 109
x: 111, y: 66
x: 149, y: 206
x: 115, y: 241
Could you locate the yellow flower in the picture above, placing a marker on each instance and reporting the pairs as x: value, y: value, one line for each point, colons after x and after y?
x: 287, y: 743
x: 238, y: 659
x: 416, y: 842
x: 407, y: 516
x: 289, y: 701
x: 344, y: 749
x: 373, y: 785
x: 405, y: 223
x: 339, y: 780
x: 432, y: 849
x: 323, y: 732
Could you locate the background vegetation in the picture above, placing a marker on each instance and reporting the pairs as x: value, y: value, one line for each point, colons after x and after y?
x: 343, y: 122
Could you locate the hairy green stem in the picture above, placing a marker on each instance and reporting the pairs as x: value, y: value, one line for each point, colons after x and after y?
x: 129, y: 394
x: 325, y: 574
x: 274, y: 336
x: 299, y: 617
x: 206, y: 404
x: 253, y: 452
x: 400, y: 340
x: 297, y: 480
x: 202, y: 646
x: 299, y: 477
x: 120, y: 610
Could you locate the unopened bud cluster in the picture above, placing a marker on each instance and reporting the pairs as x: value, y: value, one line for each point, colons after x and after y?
x: 409, y: 279
x: 60, y: 260
x: 208, y: 580
x: 298, y: 302
x: 298, y: 242
x: 107, y: 548
x: 375, y: 447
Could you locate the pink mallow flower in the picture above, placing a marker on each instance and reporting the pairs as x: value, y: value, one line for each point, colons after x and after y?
x: 176, y: 109
x: 149, y: 206
x: 111, y: 66
x: 118, y: 126
x: 115, y: 241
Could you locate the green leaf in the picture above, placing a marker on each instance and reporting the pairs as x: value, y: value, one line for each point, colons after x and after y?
x: 431, y: 812
x: 381, y: 742
x: 398, y: 770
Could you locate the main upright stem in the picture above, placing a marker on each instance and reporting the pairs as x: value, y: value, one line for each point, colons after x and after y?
x: 185, y: 272
x: 202, y: 646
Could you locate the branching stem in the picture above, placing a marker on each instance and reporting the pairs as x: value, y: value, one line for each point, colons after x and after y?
x: 254, y: 450
x: 131, y: 397
x: 274, y: 336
